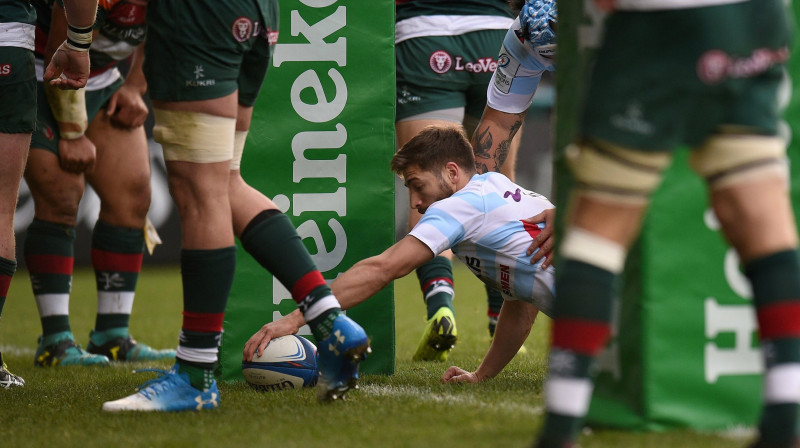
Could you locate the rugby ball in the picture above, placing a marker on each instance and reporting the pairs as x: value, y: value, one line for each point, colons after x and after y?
x: 288, y: 362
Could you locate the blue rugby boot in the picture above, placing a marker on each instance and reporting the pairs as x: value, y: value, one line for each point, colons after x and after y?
x: 118, y: 345
x: 169, y: 392
x: 339, y: 356
x: 60, y: 349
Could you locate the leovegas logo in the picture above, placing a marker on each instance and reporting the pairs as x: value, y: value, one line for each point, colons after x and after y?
x: 5, y: 69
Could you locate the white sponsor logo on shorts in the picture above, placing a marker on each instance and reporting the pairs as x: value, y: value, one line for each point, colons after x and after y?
x: 440, y: 61
x: 482, y: 65
x: 242, y: 29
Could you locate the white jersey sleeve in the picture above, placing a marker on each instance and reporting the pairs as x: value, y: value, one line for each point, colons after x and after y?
x: 519, y: 70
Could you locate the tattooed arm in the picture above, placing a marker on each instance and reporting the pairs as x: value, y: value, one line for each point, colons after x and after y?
x: 492, y: 138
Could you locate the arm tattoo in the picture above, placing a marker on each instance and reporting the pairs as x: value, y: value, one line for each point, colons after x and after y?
x: 501, y: 154
x: 481, y: 144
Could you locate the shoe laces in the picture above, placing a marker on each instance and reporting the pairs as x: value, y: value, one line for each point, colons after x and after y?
x: 165, y: 380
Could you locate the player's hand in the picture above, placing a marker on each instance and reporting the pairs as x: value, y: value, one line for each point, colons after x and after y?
x: 545, y: 240
x: 126, y: 108
x: 456, y: 374
x: 284, y: 326
x: 68, y: 69
x: 76, y: 155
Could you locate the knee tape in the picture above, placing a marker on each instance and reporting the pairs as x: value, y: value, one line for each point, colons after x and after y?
x: 584, y: 246
x: 617, y: 174
x: 239, y: 139
x: 194, y: 137
x: 728, y: 159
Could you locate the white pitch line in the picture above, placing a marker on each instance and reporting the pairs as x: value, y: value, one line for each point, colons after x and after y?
x: 425, y: 394
x: 16, y: 350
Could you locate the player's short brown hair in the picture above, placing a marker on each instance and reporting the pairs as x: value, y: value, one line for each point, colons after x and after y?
x: 433, y: 148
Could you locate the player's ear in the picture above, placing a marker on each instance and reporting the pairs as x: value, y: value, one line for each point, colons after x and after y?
x: 453, y: 171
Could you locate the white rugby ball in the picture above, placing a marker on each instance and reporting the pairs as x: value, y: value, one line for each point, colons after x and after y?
x: 288, y: 362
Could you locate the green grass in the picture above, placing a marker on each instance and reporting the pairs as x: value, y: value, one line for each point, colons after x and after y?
x: 61, y: 406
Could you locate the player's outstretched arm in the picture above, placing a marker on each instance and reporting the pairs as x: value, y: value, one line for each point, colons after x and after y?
x: 546, y: 239
x: 513, y: 326
x: 356, y: 285
x: 492, y: 138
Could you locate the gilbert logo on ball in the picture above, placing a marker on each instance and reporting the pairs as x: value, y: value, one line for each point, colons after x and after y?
x: 288, y: 362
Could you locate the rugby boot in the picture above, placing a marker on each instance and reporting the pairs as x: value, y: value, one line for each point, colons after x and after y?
x: 118, y: 345
x: 439, y: 338
x: 61, y: 349
x: 8, y: 379
x: 169, y: 392
x: 338, y: 358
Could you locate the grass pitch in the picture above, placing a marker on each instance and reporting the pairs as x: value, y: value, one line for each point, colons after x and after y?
x: 60, y: 407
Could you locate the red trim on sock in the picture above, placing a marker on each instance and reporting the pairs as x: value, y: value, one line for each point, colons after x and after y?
x: 438, y: 279
x: 202, y: 322
x: 491, y: 313
x: 779, y: 320
x: 306, y: 284
x: 532, y: 229
x: 5, y: 283
x: 49, y: 264
x: 581, y: 336
x: 103, y: 260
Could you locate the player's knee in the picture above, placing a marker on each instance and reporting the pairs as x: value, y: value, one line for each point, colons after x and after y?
x: 194, y: 137
x: 58, y: 205
x: 729, y: 160
x: 616, y: 174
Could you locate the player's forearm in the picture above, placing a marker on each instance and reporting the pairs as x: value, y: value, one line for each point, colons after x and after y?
x: 81, y: 13
x: 362, y: 281
x: 135, y: 77
x: 491, y: 140
x: 513, y: 326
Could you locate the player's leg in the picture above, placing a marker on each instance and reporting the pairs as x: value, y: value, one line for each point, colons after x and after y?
x: 424, y: 99
x: 605, y: 219
x: 271, y: 238
x: 750, y: 196
x: 49, y: 255
x: 14, y: 150
x: 17, y: 121
x: 48, y: 246
x: 193, y: 87
x: 436, y: 276
x: 122, y: 181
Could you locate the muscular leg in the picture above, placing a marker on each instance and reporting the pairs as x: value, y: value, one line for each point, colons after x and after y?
x: 49, y: 256
x: 15, y: 152
x: 585, y: 287
x: 757, y: 219
x: 121, y: 179
x: 272, y: 240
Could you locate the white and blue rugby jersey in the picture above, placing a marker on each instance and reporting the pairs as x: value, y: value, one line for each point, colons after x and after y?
x: 519, y: 70
x: 483, y: 225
